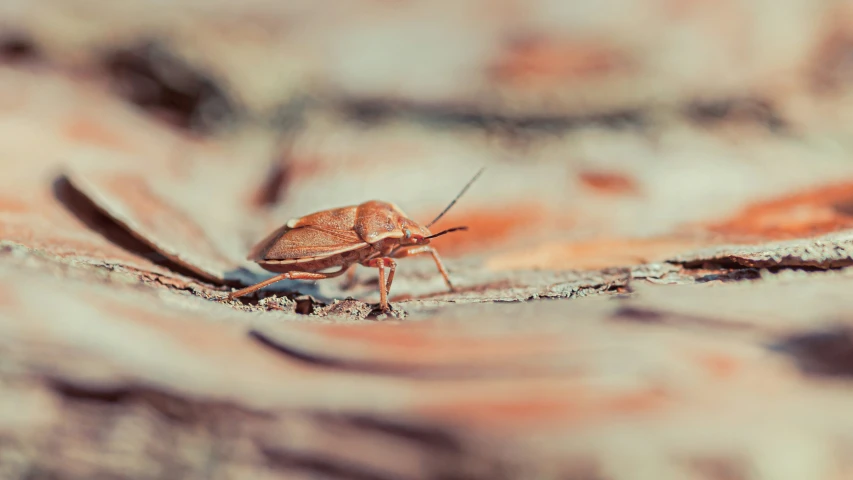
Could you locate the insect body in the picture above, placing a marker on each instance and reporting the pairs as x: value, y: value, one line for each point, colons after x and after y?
x: 372, y: 234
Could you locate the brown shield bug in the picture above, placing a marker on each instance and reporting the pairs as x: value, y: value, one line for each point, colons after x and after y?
x: 372, y: 234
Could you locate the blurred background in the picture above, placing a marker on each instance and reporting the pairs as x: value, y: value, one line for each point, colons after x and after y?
x: 160, y: 140
x: 687, y: 109
x: 614, y: 119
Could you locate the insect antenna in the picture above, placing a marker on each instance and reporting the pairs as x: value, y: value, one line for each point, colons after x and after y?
x: 464, y: 189
x: 454, y: 229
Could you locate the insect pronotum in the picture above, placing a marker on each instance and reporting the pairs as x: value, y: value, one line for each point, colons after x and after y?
x: 372, y: 234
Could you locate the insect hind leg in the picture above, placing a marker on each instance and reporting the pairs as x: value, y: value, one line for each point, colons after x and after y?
x: 285, y: 276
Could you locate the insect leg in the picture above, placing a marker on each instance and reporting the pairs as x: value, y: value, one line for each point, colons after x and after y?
x: 392, y: 267
x: 349, y: 282
x: 285, y: 276
x: 384, y: 287
x: 257, y: 286
x: 420, y: 250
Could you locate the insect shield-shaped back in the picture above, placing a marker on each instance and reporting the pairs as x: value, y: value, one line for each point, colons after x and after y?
x: 337, y: 231
x: 376, y: 221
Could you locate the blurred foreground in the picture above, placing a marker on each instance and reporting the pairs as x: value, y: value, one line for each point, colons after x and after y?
x: 655, y: 282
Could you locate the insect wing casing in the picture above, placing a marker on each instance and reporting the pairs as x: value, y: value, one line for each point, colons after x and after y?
x: 317, y: 235
x: 327, y: 233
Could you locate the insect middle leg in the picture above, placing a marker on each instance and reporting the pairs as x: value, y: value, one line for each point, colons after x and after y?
x: 384, y: 287
x: 349, y: 281
x: 286, y: 276
x: 420, y: 250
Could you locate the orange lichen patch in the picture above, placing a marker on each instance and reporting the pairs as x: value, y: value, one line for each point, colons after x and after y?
x: 8, y: 299
x: 42, y: 234
x: 557, y: 407
x: 719, y: 366
x: 421, y: 346
x: 296, y: 169
x: 814, y: 212
x: 828, y: 68
x: 491, y: 227
x: 13, y: 205
x: 609, y: 183
x: 681, y: 9
x: 87, y: 131
x: 634, y: 402
x: 380, y: 336
x: 543, y: 62
x: 592, y: 254
x: 527, y: 410
x: 211, y: 344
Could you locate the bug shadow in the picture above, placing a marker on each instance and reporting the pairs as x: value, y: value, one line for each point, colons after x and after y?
x: 292, y: 289
x: 309, y: 299
x: 87, y: 212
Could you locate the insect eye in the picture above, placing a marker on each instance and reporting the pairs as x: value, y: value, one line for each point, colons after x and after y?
x: 408, y: 234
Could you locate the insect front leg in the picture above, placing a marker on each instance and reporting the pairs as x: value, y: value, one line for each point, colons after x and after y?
x: 420, y: 250
x: 384, y: 287
x: 286, y: 276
